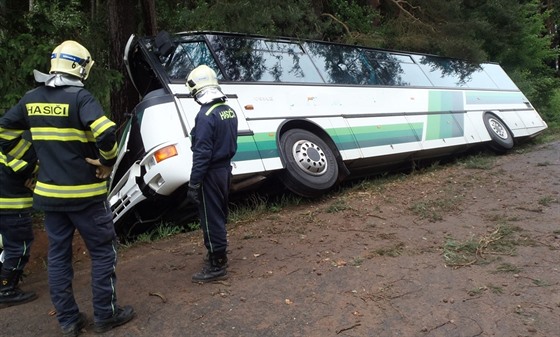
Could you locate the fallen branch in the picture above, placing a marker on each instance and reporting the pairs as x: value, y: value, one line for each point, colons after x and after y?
x: 163, y: 299
x: 348, y: 328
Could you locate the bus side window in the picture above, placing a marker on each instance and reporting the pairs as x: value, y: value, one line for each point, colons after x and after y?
x: 188, y: 56
x: 343, y: 64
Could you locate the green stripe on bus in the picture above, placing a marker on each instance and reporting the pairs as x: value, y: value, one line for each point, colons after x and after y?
x: 445, y: 124
x: 343, y: 138
x: 258, y: 146
x: 263, y: 145
x: 367, y: 136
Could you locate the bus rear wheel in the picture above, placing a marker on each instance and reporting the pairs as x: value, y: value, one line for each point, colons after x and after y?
x: 311, y: 167
x: 502, y: 139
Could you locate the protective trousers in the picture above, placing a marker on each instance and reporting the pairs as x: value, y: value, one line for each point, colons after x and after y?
x: 17, y: 235
x: 213, y: 208
x: 95, y: 225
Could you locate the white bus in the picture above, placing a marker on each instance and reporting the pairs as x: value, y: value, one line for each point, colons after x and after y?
x: 310, y: 113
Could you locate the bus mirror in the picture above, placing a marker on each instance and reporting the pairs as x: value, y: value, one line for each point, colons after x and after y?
x: 164, y: 44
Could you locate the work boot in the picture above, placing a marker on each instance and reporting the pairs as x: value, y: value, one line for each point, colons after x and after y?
x: 207, y: 260
x: 10, y: 294
x: 213, y: 270
x: 74, y: 329
x: 122, y: 316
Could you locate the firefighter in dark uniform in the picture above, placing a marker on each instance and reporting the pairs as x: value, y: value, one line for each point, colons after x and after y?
x: 214, y: 143
x: 18, y: 166
x: 76, y: 146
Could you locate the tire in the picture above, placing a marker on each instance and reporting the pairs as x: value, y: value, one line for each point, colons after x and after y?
x: 502, y: 139
x: 311, y: 167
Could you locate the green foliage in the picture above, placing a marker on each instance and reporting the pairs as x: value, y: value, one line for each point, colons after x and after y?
x: 438, y: 27
x: 549, y: 106
x: 350, y: 22
x: 293, y: 18
x: 512, y: 33
x: 40, y: 31
x: 17, y: 78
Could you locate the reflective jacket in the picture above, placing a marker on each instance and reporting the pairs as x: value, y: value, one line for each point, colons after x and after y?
x: 18, y: 163
x: 67, y: 125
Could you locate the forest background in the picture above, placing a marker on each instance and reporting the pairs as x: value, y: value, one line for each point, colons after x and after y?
x: 521, y: 35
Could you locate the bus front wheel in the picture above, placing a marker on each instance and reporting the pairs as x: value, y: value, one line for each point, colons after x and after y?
x: 311, y: 167
x: 502, y: 139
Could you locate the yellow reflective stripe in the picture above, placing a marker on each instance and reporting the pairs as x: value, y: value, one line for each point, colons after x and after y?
x: 74, y: 191
x: 10, y: 134
x: 213, y: 107
x: 20, y: 149
x: 14, y: 164
x: 100, y: 125
x: 16, y: 203
x: 17, y: 164
x: 109, y: 154
x: 62, y: 134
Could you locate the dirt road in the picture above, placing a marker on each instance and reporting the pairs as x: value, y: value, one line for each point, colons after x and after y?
x: 469, y: 249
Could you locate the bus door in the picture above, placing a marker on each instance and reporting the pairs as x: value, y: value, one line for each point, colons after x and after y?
x: 446, y: 120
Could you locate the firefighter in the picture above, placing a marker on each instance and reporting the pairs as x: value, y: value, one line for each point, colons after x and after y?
x: 76, y: 146
x: 214, y: 143
x: 18, y: 165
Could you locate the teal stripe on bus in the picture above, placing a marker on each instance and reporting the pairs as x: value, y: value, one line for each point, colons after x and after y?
x: 263, y: 145
x: 377, y: 135
x: 445, y: 124
x: 343, y: 138
x: 258, y: 146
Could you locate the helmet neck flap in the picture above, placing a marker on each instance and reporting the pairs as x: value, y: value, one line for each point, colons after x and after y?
x: 57, y: 79
x: 209, y: 95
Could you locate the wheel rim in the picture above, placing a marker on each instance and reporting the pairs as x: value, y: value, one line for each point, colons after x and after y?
x: 498, y: 128
x: 309, y: 157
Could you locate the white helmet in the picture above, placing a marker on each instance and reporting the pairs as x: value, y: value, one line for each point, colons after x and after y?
x: 201, y: 77
x: 71, y: 58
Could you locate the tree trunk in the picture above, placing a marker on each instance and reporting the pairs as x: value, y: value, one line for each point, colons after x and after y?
x: 149, y: 12
x: 121, y: 26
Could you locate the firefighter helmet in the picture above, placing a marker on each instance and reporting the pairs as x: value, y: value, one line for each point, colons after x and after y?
x: 71, y: 58
x: 202, y: 77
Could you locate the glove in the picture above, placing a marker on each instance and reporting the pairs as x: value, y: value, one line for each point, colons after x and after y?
x: 193, y: 194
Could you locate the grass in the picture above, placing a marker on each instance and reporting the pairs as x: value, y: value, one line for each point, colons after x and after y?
x: 162, y: 231
x: 500, y: 241
x: 377, y: 183
x: 480, y: 161
x: 433, y: 209
x: 357, y: 261
x: 507, y: 268
x: 547, y: 200
x: 391, y: 251
x: 337, y: 206
x: 545, y: 163
x: 255, y: 206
